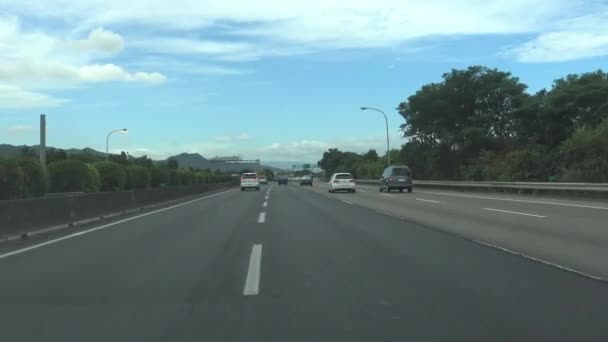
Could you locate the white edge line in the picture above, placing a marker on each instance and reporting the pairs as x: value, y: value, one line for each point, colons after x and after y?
x: 262, y: 217
x: 426, y: 200
x: 561, y: 267
x: 49, y: 242
x: 252, y: 282
x: 347, y: 202
x: 514, y: 212
x: 515, y: 200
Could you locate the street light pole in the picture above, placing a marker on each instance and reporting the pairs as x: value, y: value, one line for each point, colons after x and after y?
x: 388, y: 149
x: 108, y: 140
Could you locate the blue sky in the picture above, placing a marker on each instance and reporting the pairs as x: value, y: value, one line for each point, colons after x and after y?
x: 269, y: 80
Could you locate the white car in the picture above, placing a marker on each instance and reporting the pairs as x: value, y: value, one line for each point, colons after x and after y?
x: 341, y: 181
x: 250, y: 181
x: 263, y: 180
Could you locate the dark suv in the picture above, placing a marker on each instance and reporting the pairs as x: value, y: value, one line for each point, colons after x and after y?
x: 396, y: 178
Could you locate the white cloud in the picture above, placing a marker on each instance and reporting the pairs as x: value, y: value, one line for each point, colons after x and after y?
x: 576, y: 38
x: 20, y: 129
x: 287, y: 26
x: 16, y: 98
x: 35, y: 59
x: 227, y: 138
x: 222, y: 138
x: 99, y: 40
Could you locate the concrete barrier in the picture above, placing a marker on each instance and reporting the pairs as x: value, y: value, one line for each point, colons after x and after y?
x: 20, y: 216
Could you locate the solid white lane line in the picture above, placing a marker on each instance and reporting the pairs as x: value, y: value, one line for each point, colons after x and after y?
x: 22, y: 250
x: 514, y: 212
x: 252, y: 282
x: 562, y: 267
x: 265, y: 204
x: 427, y: 200
x: 347, y: 202
x: 515, y: 200
x: 262, y: 217
x: 387, y: 195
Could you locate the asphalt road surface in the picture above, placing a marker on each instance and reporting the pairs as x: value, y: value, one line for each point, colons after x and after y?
x: 290, y: 264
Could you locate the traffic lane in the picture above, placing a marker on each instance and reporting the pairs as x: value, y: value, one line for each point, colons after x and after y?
x: 136, y: 281
x: 581, y: 222
x: 517, y: 203
x: 336, y: 271
x: 545, y: 239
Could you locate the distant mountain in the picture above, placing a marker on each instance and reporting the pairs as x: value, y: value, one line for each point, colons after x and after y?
x: 8, y: 151
x: 196, y: 161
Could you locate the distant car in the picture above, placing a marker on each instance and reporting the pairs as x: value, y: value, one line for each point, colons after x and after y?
x: 282, y: 179
x: 396, y: 178
x: 306, y: 180
x: 250, y: 181
x: 341, y: 181
x: 263, y: 180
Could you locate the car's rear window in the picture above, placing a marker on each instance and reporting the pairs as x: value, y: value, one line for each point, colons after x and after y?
x: 250, y: 176
x: 401, y: 171
x: 344, y: 176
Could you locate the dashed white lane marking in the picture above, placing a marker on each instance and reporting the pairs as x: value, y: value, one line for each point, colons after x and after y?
x: 347, y: 202
x: 427, y: 200
x: 359, y: 190
x: 387, y: 195
x: 267, y: 197
x: 262, y: 217
x: 265, y: 204
x: 252, y: 282
x: 515, y: 200
x: 22, y: 250
x: 514, y: 212
x: 562, y: 267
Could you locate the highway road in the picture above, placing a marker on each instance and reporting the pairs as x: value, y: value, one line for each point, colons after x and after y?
x: 297, y: 264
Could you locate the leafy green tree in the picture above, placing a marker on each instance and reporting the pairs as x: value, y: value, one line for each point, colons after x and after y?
x: 584, y: 156
x: 11, y: 179
x: 138, y: 177
x: 112, y: 176
x: 72, y: 176
x: 172, y: 163
x: 159, y: 176
x: 185, y: 177
x: 53, y: 155
x: 34, y: 180
x: 143, y: 161
x: 174, y: 177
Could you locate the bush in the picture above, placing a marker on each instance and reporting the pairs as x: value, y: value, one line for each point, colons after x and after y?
x: 185, y: 177
x: 11, y: 180
x: 112, y: 176
x: 584, y: 156
x: 138, y: 177
x: 72, y: 176
x: 174, y: 177
x: 34, y: 181
x: 159, y: 176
